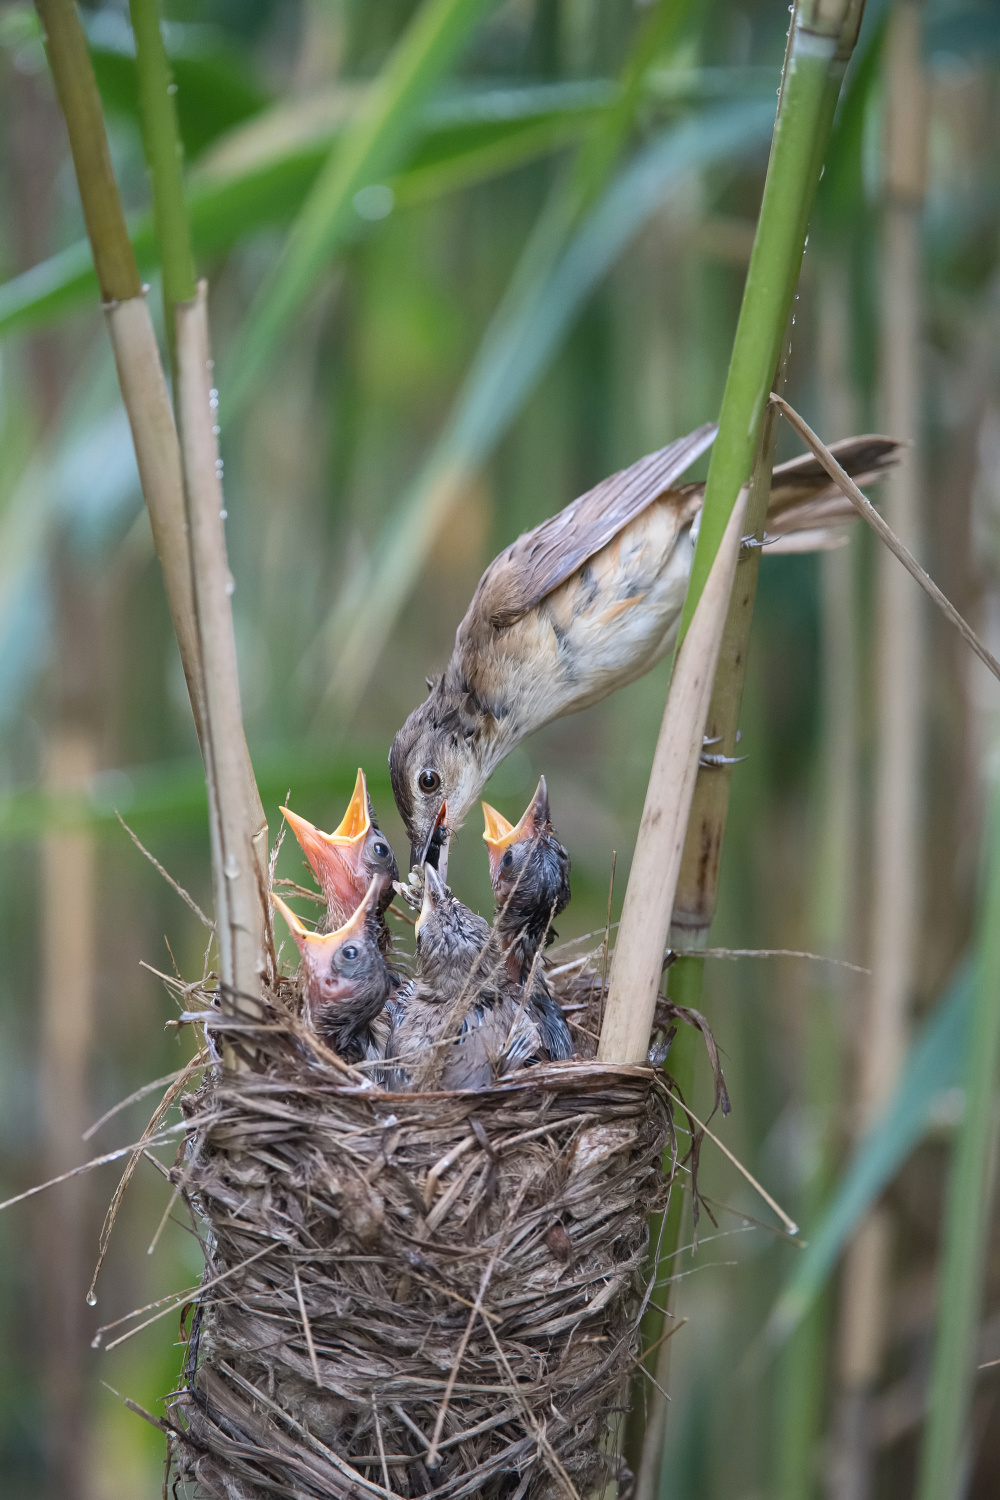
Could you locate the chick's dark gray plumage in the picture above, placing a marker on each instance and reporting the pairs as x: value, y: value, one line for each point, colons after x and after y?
x: 585, y: 603
x: 529, y: 873
x: 461, y: 1023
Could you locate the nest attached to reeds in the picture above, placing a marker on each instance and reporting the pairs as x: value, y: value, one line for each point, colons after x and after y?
x: 432, y: 1294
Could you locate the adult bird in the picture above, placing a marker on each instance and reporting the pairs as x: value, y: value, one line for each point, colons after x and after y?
x: 344, y: 978
x: 529, y: 873
x: 583, y: 604
x: 460, y: 1024
x: 346, y: 861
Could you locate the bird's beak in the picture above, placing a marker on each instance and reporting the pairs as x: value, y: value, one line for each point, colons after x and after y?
x: 336, y: 858
x: 313, y: 946
x: 537, y: 810
x: 317, y: 948
x: 356, y: 822
x: 430, y: 851
x: 433, y: 890
x: 499, y: 835
x: 298, y: 931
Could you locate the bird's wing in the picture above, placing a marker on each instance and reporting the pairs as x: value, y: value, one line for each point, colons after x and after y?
x: 541, y: 560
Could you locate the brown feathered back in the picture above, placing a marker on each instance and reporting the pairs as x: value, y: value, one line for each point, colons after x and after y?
x: 542, y: 559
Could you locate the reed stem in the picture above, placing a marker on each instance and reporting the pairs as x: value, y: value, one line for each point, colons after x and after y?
x: 637, y: 966
x: 76, y: 88
x: 240, y: 894
x: 164, y: 157
x: 195, y: 572
x: 822, y: 40
x: 967, y: 1219
x: 820, y: 44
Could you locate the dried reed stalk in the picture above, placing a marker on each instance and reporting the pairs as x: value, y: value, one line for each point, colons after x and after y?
x: 68, y: 985
x: 637, y: 966
x: 886, y: 534
x: 158, y: 456
x: 240, y: 886
x: 698, y: 882
x: 899, y: 674
x: 800, y: 1406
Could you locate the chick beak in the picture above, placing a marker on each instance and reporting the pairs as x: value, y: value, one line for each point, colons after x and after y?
x: 435, y: 845
x: 433, y: 891
x: 537, y: 816
x: 336, y: 859
x: 318, y: 948
x: 499, y: 834
x: 355, y: 823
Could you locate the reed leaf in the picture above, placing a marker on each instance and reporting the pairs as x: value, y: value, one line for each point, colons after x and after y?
x: 261, y: 174
x: 369, y: 151
x: 933, y: 1068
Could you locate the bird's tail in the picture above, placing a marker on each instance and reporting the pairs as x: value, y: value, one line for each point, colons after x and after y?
x: 806, y: 511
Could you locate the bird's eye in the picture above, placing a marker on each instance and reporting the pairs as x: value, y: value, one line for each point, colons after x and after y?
x: 507, y: 863
x: 350, y: 952
x: 380, y: 850
x: 428, y: 780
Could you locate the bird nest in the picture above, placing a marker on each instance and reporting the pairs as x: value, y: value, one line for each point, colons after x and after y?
x: 418, y: 1294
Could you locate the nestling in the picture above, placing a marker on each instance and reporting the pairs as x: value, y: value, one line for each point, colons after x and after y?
x: 582, y: 605
x: 346, y: 861
x: 461, y: 1023
x: 529, y: 872
x: 345, y: 979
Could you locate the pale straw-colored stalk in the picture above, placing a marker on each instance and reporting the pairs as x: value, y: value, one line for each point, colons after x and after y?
x: 240, y: 893
x: 637, y: 966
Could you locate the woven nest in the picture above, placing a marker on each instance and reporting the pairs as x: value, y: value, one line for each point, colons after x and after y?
x: 431, y: 1294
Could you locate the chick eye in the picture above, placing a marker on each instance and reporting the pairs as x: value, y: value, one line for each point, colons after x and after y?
x: 507, y: 863
x: 428, y: 780
x: 349, y: 952
x: 380, y: 850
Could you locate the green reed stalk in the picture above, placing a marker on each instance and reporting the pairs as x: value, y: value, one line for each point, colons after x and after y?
x: 165, y: 159
x: 943, y: 1458
x: 76, y: 87
x: 821, y: 42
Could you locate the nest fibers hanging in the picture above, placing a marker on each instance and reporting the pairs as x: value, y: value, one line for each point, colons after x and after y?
x: 428, y: 1294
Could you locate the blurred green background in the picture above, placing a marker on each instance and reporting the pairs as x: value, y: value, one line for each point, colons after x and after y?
x: 543, y: 287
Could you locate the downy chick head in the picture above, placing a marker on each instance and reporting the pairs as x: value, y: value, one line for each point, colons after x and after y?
x: 346, y: 861
x: 345, y: 979
x: 451, y: 940
x: 435, y: 757
x: 529, y: 873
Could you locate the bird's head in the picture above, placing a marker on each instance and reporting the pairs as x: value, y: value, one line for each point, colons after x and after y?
x: 346, y: 861
x: 434, y: 758
x: 509, y: 845
x: 450, y: 937
x: 529, y: 872
x: 342, y: 966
